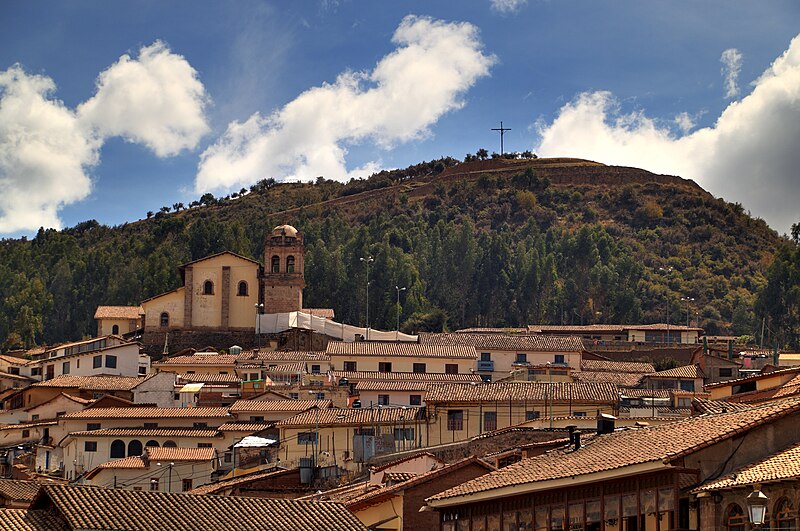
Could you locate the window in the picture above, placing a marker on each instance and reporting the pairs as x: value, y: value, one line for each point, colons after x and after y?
x: 256, y: 418
x: 415, y: 400
x: 203, y: 445
x: 306, y: 437
x: 142, y: 370
x: 65, y: 368
x: 350, y: 366
x: 164, y: 319
x: 455, y: 420
x: 154, y: 484
x: 115, y: 329
x: 150, y: 425
x: 187, y: 485
x: 90, y: 446
x: 59, y: 414
x: 290, y: 264
x: 521, y: 358
x: 208, y: 288
x: 785, y: 515
x: 117, y: 449
x: 404, y: 434
x: 111, y: 361
x: 135, y: 448
x: 450, y: 368
x: 531, y: 415
x: 170, y: 444
x: 384, y: 366
x: 419, y: 368
x: 687, y: 385
x: 151, y: 444
x: 486, y: 356
x: 97, y: 362
x: 315, y: 369
x: 489, y: 420
x: 726, y: 372
x: 735, y: 519
x: 276, y: 264
x: 34, y: 417
x: 319, y: 396
x: 383, y: 400
x: 36, y: 371
x: 227, y: 457
x: 200, y: 425
x: 579, y: 413
x: 26, y: 434
x: 294, y: 396
x: 558, y: 358
x: 242, y: 290
x: 13, y: 370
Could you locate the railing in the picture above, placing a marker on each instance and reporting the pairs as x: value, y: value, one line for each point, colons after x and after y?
x: 485, y: 365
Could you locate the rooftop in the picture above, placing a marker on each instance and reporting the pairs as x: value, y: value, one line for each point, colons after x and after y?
x: 354, y: 416
x: 429, y: 377
x: 416, y: 350
x: 247, y: 406
x: 777, y: 467
x: 685, y: 371
x: 94, y: 383
x: 522, y: 391
x: 148, y: 432
x: 516, y: 343
x: 616, y: 366
x: 148, y: 413
x: 118, y: 312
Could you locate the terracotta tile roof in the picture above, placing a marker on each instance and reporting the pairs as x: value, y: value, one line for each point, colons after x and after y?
x: 27, y: 425
x: 397, y: 477
x: 13, y: 360
x: 26, y: 520
x: 76, y: 399
x: 489, y: 330
x: 616, y: 366
x: 753, y: 378
x: 706, y: 405
x: 180, y: 454
x: 94, y: 383
x: 380, y: 494
x: 790, y: 388
x: 414, y: 455
x: 199, y: 359
x: 275, y: 368
x: 354, y: 417
x: 17, y: 377
x: 201, y: 377
x: 622, y: 379
x: 685, y: 371
x: 148, y: 413
x: 245, y: 427
x: 94, y: 509
x: 578, y: 329
x: 242, y: 406
x: 515, y: 343
x: 779, y: 466
x: 430, y: 377
x: 665, y: 443
x: 394, y: 385
x: 18, y: 489
x: 343, y: 494
x: 290, y: 355
x: 414, y: 350
x: 219, y: 486
x: 125, y: 463
x: 646, y: 393
x: 522, y: 391
x: 149, y: 432
x: 119, y: 312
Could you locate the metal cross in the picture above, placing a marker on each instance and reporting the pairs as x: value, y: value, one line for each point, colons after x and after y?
x: 502, y: 132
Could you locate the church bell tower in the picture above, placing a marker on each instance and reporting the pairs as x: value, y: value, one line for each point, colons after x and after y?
x: 283, y: 279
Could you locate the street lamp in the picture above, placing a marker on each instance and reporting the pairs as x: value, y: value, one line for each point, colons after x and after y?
x: 689, y: 301
x: 757, y: 506
x: 316, y: 434
x: 368, y: 260
x: 550, y: 390
x: 667, y: 270
x: 397, y: 333
x: 259, y: 309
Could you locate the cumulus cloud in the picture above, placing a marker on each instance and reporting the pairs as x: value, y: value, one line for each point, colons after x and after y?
x: 749, y: 155
x: 47, y: 150
x: 508, y: 6
x: 685, y: 122
x: 731, y: 60
x: 408, y: 90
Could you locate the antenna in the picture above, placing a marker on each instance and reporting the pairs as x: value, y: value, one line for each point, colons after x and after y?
x: 502, y: 131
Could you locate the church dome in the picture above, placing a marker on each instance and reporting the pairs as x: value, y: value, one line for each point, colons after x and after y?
x: 285, y: 230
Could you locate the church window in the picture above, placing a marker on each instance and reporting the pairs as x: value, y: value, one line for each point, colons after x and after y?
x: 164, y: 319
x: 276, y: 264
x: 242, y: 292
x: 290, y: 264
x: 115, y: 329
x: 208, y: 288
x: 735, y: 519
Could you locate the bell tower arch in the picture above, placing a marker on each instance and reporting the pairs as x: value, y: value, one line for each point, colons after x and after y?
x: 283, y: 280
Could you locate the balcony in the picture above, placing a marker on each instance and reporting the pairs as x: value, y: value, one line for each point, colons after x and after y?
x: 485, y: 366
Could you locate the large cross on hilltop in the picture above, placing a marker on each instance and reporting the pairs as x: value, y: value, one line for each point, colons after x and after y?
x: 502, y: 133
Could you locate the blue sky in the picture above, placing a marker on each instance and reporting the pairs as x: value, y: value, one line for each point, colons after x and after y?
x: 108, y: 110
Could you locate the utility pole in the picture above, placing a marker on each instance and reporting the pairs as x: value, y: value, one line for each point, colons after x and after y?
x: 397, y: 330
x: 368, y: 260
x: 502, y: 131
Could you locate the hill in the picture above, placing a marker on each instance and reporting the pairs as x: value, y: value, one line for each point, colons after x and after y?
x: 496, y: 242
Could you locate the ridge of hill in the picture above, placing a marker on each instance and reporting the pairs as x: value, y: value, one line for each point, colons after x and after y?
x: 496, y: 242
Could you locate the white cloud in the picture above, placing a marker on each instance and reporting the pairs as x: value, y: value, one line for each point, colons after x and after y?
x: 749, y: 155
x: 685, y: 122
x: 508, y: 6
x: 45, y: 153
x: 731, y: 60
x: 47, y: 149
x: 156, y: 100
x: 409, y: 90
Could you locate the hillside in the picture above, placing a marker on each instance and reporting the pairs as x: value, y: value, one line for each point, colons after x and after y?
x: 489, y: 242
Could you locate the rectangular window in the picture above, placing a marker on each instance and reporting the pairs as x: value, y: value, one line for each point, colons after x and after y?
x: 97, y: 362
x: 350, y: 366
x: 580, y: 413
x: 90, y: 446
x: 204, y: 445
x: 725, y: 372
x: 60, y: 414
x: 294, y: 396
x: 486, y: 356
x: 404, y: 434
x: 65, y: 368
x: 187, y: 485
x: 687, y: 385
x: 315, y: 369
x: 489, y: 420
x: 36, y: 371
x: 26, y: 434
x: 92, y: 426
x: 521, y: 358
x: 320, y: 396
x: 455, y: 420
x: 13, y: 370
x: 384, y: 366
x: 111, y: 361
x: 415, y: 400
x: 558, y: 358
x: 34, y: 417
x: 256, y: 418
x: 154, y: 484
x: 451, y: 368
x: 200, y: 425
x: 151, y: 425
x: 419, y: 368
x: 531, y: 415
x: 227, y: 457
x: 142, y: 370
x: 383, y: 400
x: 306, y: 437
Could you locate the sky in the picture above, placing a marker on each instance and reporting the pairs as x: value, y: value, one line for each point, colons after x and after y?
x: 109, y: 110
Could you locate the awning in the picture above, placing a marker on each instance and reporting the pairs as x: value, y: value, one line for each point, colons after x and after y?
x: 191, y: 388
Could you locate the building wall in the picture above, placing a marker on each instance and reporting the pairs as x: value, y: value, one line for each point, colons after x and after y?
x: 139, y: 478
x: 171, y: 303
x: 127, y: 356
x: 386, y: 510
x: 402, y: 363
x: 396, y: 398
x: 504, y: 360
x: 158, y: 389
x: 105, y: 327
x: 49, y: 410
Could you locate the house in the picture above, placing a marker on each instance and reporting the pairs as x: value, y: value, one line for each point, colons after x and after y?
x: 621, y: 373
x: 158, y: 469
x: 118, y: 320
x: 102, y: 356
x: 663, y: 333
x: 686, y: 377
x: 73, y: 508
x: 14, y: 372
x: 459, y: 411
x: 780, y: 383
x: 258, y: 411
x: 716, y: 366
x: 636, y: 478
x: 416, y: 464
x: 397, y: 504
x: 275, y: 482
x: 17, y: 493
x: 401, y: 357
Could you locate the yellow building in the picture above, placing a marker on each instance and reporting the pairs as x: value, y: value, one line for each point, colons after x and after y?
x: 118, y: 320
x: 401, y: 357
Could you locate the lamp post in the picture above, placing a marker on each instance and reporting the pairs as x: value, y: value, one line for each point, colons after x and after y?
x: 397, y: 330
x: 316, y: 433
x: 368, y: 260
x: 667, y: 270
x: 550, y: 390
x: 757, y: 507
x: 689, y: 301
x: 169, y: 482
x: 259, y: 309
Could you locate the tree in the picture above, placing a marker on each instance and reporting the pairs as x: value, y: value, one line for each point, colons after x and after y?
x: 482, y: 154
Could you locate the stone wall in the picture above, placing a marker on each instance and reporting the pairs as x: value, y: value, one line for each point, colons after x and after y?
x: 295, y: 339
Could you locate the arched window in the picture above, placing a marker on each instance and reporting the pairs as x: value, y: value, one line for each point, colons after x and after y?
x: 150, y: 444
x: 290, y: 264
x: 242, y: 291
x: 276, y: 264
x: 135, y: 447
x: 170, y: 444
x: 208, y: 288
x: 164, y: 319
x: 785, y: 515
x: 115, y: 329
x: 117, y: 449
x: 735, y: 519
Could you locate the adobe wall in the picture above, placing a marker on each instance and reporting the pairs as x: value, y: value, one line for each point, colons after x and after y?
x: 296, y: 339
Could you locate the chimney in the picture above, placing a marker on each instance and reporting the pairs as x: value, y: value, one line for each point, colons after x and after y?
x: 571, y: 432
x: 576, y: 439
x: 605, y: 423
